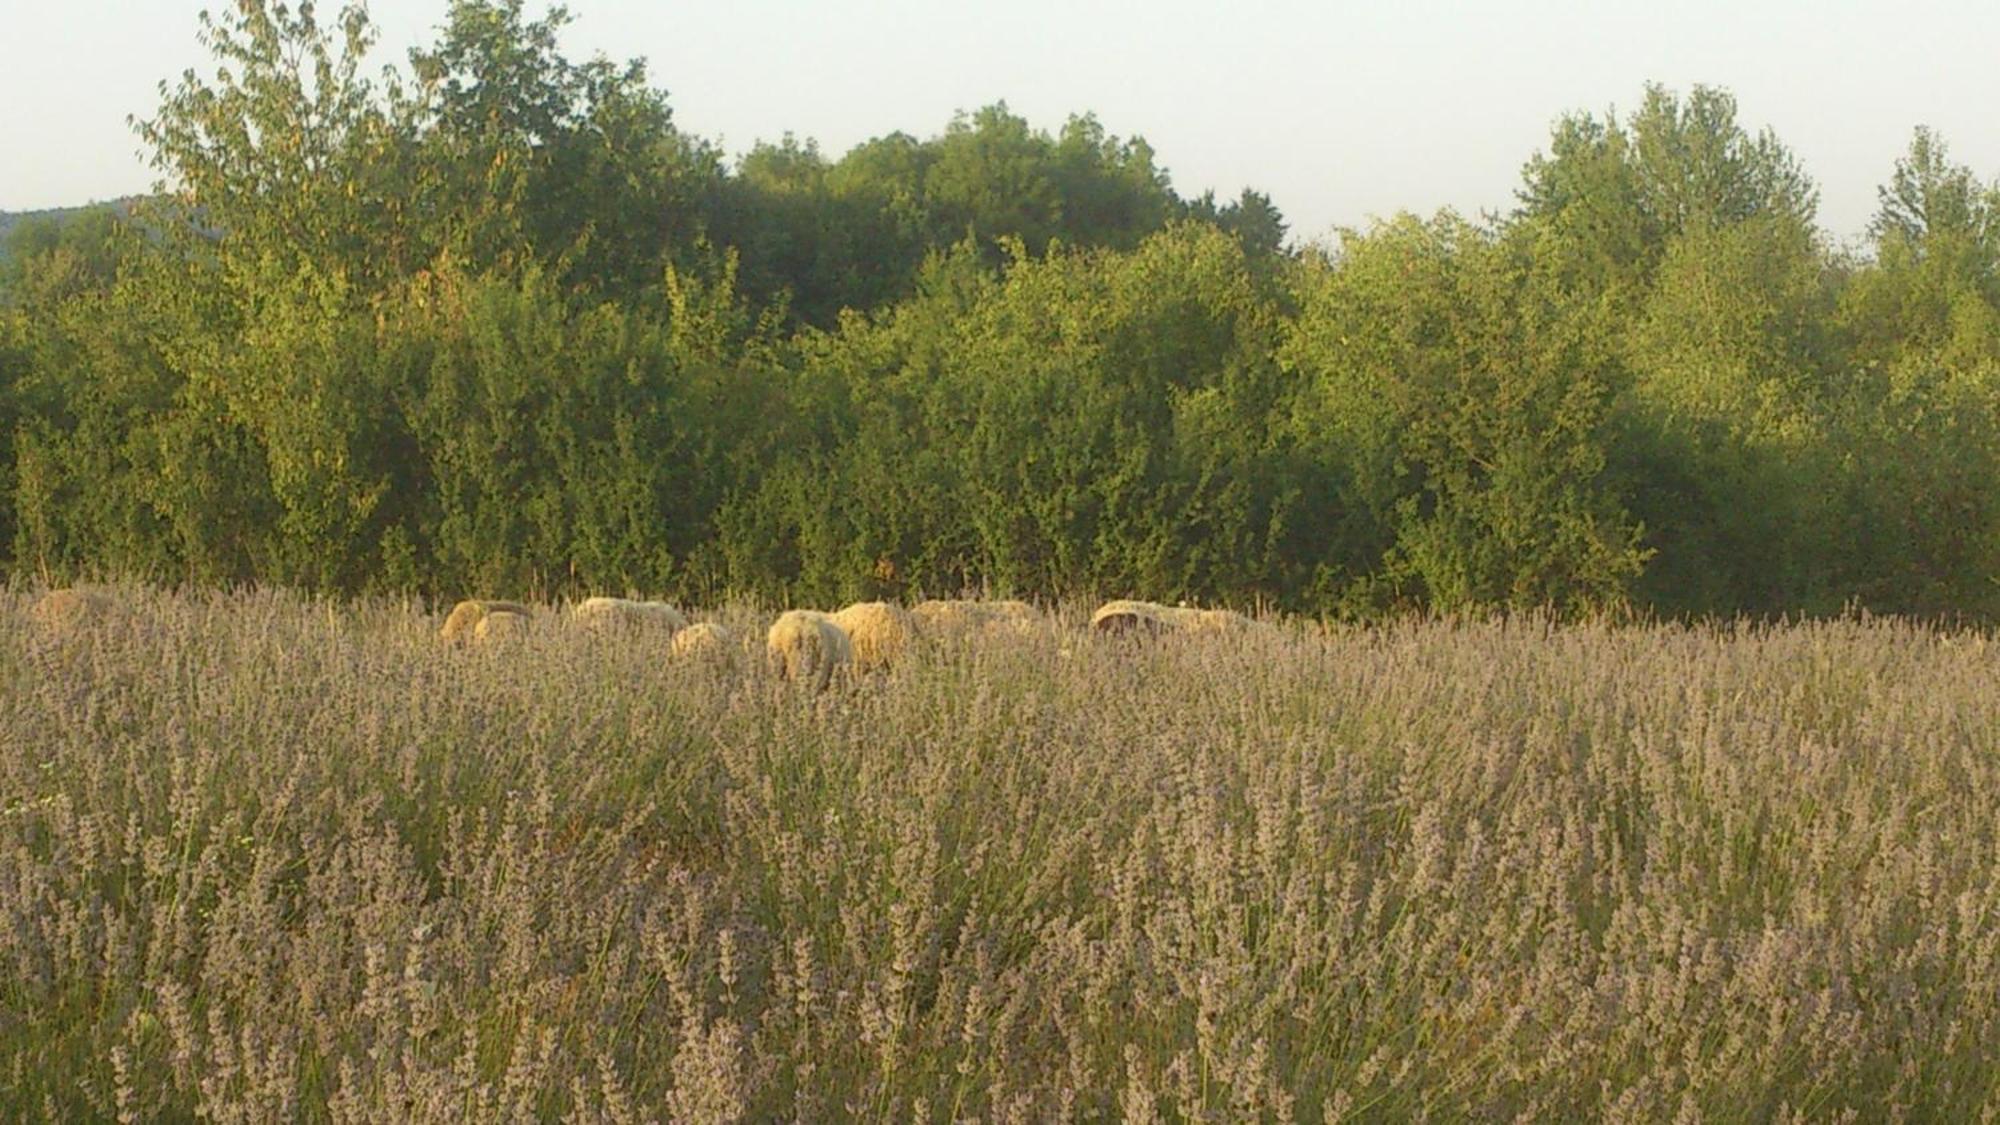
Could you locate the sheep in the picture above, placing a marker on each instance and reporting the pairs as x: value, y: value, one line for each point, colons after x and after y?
x: 1191, y: 620
x: 1126, y: 615
x: 804, y: 644
x: 959, y: 618
x: 466, y: 616
x: 704, y: 641
x: 939, y: 615
x: 61, y: 612
x: 879, y: 632
x: 603, y: 613
x: 1010, y: 617
x: 1015, y: 610
x: 500, y: 625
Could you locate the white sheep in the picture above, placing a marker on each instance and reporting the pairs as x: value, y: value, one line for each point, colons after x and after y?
x: 878, y: 632
x: 806, y: 645
x: 958, y: 618
x: 464, y: 619
x: 609, y: 613
x: 705, y: 641
x: 500, y: 626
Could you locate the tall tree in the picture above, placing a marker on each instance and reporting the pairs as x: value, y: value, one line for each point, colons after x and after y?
x: 1930, y: 198
x: 286, y: 154
x: 530, y: 156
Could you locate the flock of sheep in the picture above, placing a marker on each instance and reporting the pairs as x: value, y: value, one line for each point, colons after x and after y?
x: 810, y: 646
x: 802, y: 644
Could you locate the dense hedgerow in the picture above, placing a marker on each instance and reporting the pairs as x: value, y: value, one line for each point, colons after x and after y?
x: 269, y: 858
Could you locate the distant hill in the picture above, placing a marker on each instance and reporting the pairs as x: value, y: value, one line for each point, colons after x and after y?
x: 12, y: 219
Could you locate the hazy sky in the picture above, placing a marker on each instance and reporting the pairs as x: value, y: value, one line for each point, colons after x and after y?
x: 1340, y: 109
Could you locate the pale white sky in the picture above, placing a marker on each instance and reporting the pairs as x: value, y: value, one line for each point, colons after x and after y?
x: 1340, y: 109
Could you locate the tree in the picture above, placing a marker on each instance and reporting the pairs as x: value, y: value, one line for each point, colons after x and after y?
x: 1082, y: 422
x: 1935, y: 285
x: 1251, y: 217
x: 1697, y: 167
x: 492, y: 321
x: 286, y: 155
x: 855, y: 233
x: 1688, y: 243
x: 1112, y: 193
x: 14, y: 359
x: 529, y: 156
x: 1616, y: 192
x: 1919, y: 419
x: 1466, y: 408
x: 1929, y: 199
x: 50, y: 257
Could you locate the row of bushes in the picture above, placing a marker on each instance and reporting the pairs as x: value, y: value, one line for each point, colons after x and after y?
x: 1412, y: 423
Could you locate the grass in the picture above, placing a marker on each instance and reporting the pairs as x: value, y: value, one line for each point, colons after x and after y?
x: 263, y: 858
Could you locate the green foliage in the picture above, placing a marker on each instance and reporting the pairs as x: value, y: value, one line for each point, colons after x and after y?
x: 1086, y: 420
x: 1723, y: 420
x: 130, y: 460
x: 1466, y: 405
x: 854, y: 234
x: 47, y: 256
x: 1251, y: 217
x: 1918, y: 419
x: 821, y: 237
x: 523, y: 156
x: 562, y: 446
x: 286, y: 153
x: 493, y: 323
x: 13, y: 368
x: 1921, y: 516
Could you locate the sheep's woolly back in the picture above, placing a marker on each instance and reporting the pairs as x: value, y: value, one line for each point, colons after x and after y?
x: 1122, y: 616
x: 1010, y: 609
x: 461, y: 620
x: 500, y: 625
x: 1208, y: 620
x: 942, y: 620
x: 807, y: 645
x: 880, y: 632
x: 1009, y: 617
x: 62, y: 612
x: 466, y: 616
x: 1127, y: 615
x: 705, y: 641
x: 950, y: 619
x: 599, y: 613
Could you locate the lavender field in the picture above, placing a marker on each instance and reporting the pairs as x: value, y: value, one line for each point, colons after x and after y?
x: 268, y: 859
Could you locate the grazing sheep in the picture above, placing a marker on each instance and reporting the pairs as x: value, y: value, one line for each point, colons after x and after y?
x: 1010, y: 617
x: 806, y: 645
x: 879, y: 632
x: 944, y: 619
x: 1013, y: 609
x: 705, y: 641
x: 1126, y: 616
x: 61, y: 612
x: 958, y: 618
x: 1191, y: 620
x: 603, y: 613
x: 466, y: 616
x: 500, y: 625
